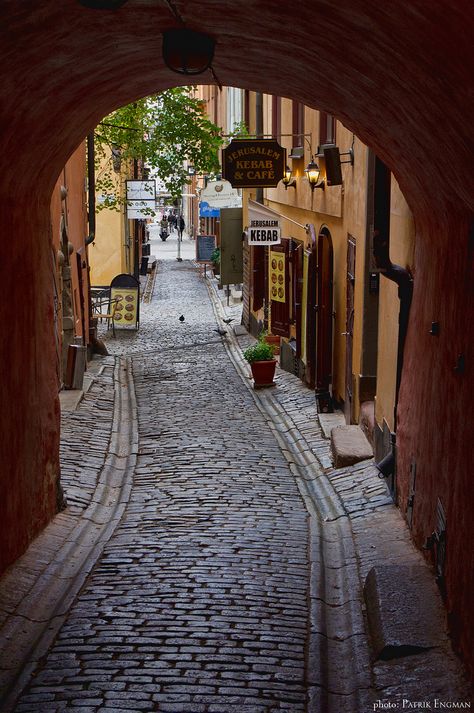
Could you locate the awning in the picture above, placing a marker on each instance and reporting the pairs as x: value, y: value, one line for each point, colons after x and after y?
x: 257, y: 211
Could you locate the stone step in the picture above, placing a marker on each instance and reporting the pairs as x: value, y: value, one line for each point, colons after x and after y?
x: 349, y: 446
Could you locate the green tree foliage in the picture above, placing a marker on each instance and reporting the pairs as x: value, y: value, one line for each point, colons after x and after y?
x: 165, y: 131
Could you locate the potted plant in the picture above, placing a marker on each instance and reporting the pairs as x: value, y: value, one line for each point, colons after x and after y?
x: 272, y: 339
x: 262, y: 363
x: 216, y: 261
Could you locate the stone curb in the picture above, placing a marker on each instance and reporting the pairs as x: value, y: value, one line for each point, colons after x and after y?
x: 31, y: 627
x: 338, y: 662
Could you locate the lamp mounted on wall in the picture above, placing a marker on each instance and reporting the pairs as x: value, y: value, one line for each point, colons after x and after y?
x: 286, y: 180
x: 312, y: 174
x: 187, y: 52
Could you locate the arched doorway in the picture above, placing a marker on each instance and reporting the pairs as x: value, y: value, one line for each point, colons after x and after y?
x: 324, y: 320
x: 68, y: 66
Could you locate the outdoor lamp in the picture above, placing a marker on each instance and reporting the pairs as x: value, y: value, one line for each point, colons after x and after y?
x: 312, y: 173
x: 187, y: 52
x: 287, y: 182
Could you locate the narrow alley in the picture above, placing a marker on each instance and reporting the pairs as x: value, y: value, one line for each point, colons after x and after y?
x: 209, y: 558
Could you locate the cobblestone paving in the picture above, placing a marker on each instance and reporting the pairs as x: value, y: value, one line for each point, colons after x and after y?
x: 85, y: 435
x: 199, y: 602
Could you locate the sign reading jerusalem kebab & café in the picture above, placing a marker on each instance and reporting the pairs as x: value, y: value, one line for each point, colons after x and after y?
x: 253, y: 163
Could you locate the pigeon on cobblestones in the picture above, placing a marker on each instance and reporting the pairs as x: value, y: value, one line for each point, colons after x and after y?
x: 228, y: 321
x: 220, y: 331
x: 181, y: 319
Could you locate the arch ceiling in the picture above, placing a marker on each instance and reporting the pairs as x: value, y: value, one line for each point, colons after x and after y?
x: 398, y: 74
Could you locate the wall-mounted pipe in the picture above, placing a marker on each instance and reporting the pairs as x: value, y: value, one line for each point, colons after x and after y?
x: 91, y: 187
x: 404, y: 280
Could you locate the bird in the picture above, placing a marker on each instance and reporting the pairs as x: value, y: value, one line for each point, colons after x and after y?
x: 228, y: 321
x: 220, y: 331
x: 181, y: 319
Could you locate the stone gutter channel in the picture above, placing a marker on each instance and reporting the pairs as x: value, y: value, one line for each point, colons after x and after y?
x: 338, y: 666
x: 37, y: 592
x: 30, y: 625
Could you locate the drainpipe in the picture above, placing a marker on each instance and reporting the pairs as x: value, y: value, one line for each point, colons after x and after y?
x: 404, y: 280
x: 259, y: 199
x: 91, y: 187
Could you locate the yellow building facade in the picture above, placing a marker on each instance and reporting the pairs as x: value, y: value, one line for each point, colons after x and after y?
x: 113, y: 250
x: 339, y: 329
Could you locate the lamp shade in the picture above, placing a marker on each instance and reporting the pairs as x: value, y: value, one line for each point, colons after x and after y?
x: 287, y: 176
x: 187, y: 52
x: 312, y: 172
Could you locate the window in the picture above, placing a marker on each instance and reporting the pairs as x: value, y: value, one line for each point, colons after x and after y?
x: 276, y: 117
x: 298, y: 124
x: 247, y: 109
x: 234, y: 107
x: 327, y: 128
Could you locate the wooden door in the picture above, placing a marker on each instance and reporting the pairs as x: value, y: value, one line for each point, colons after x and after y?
x: 297, y: 278
x: 350, y: 282
x: 257, y: 257
x: 279, y: 296
x: 324, y: 330
x: 311, y: 314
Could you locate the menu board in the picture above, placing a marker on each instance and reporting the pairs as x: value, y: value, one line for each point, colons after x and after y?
x: 277, y: 276
x: 205, y: 246
x: 126, y: 310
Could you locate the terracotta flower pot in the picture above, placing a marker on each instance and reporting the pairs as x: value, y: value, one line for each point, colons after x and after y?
x: 274, y: 340
x: 263, y: 373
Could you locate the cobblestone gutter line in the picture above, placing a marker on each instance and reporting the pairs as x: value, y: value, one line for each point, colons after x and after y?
x: 73, y: 546
x: 377, y: 535
x: 338, y: 664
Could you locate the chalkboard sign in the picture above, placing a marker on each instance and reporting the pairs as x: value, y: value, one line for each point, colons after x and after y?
x: 205, y: 246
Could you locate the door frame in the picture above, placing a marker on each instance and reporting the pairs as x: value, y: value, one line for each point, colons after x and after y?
x: 324, y: 320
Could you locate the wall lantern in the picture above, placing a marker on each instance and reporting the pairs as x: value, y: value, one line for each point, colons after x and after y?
x: 286, y: 180
x: 312, y: 174
x: 187, y: 52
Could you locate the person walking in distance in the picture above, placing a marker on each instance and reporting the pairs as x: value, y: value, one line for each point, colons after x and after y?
x: 181, y: 225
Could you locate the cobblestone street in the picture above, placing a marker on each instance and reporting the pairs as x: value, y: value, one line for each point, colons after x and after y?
x: 229, y: 554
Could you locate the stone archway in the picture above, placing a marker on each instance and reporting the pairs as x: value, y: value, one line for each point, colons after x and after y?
x: 398, y: 75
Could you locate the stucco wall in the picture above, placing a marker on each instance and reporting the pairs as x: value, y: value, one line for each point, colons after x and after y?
x: 106, y: 252
x: 402, y: 243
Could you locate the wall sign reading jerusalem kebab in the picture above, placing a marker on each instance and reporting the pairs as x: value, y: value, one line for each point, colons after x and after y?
x: 263, y: 232
x: 254, y: 163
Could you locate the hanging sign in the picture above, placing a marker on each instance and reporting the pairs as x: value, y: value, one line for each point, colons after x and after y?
x: 141, y: 197
x: 220, y: 194
x: 141, y: 190
x: 264, y: 232
x: 253, y: 163
x: 206, y: 211
x: 140, y: 209
x: 277, y: 276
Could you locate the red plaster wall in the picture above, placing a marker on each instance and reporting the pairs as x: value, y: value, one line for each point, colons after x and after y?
x: 435, y: 415
x: 399, y: 74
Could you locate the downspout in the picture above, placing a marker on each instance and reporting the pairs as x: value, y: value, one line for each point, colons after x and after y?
x: 97, y: 346
x: 404, y: 280
x: 259, y: 199
x: 91, y: 187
